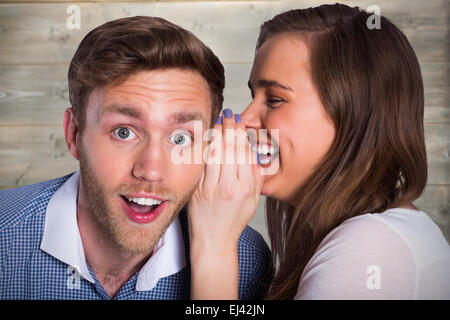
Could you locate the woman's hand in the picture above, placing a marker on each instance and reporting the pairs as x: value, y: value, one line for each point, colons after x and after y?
x: 220, y: 209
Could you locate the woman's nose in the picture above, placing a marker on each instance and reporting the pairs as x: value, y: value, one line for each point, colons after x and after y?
x: 253, y: 116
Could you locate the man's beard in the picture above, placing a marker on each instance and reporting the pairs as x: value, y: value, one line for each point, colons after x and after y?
x: 112, y: 221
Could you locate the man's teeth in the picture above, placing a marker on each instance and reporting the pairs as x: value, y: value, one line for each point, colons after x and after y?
x: 145, y: 201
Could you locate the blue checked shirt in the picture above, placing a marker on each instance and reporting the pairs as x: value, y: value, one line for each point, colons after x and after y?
x: 29, y: 272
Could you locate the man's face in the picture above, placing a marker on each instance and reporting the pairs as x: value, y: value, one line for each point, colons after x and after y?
x: 132, y: 187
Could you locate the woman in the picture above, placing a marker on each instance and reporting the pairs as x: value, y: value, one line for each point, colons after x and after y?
x: 348, y: 103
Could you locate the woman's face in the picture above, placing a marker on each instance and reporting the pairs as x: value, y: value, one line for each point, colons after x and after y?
x: 285, y: 98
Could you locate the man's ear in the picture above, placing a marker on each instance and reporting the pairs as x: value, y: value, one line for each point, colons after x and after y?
x: 71, y: 131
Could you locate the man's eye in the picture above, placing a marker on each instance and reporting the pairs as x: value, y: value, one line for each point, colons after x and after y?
x: 124, y: 134
x: 181, y: 139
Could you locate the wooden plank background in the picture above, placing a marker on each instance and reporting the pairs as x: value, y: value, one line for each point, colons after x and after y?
x: 36, y: 48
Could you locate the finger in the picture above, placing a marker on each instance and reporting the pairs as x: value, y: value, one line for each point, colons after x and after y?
x: 202, y: 178
x: 244, y: 155
x: 213, y: 157
x: 229, y: 169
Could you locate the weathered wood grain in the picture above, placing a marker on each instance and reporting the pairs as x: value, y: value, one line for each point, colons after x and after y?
x: 32, y: 154
x: 33, y: 94
x: 37, y: 33
x: 38, y: 94
x: 121, y: 1
x: 437, y: 137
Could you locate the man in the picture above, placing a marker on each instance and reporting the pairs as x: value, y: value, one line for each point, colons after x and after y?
x: 118, y: 227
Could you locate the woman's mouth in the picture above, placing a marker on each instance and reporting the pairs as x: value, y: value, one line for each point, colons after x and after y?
x: 142, y: 209
x: 266, y: 153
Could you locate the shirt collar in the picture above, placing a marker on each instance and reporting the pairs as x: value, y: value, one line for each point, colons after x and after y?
x: 62, y: 240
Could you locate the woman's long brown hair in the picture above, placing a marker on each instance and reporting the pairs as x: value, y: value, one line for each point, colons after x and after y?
x: 370, y: 83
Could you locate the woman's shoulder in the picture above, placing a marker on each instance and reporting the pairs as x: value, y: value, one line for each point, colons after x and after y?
x: 379, y: 255
x: 414, y: 228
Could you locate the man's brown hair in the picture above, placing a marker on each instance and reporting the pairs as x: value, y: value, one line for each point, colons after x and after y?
x: 117, y: 49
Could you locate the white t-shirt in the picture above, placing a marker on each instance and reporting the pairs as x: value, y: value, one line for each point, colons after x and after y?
x: 397, y: 254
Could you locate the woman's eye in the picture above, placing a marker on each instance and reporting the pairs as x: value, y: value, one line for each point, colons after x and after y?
x: 181, y: 139
x: 124, y: 134
x: 274, y: 101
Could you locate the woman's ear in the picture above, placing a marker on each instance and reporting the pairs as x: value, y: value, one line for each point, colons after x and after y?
x: 71, y: 131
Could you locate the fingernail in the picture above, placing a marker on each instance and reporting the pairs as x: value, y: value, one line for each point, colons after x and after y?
x: 237, y: 117
x: 219, y: 120
x: 227, y: 113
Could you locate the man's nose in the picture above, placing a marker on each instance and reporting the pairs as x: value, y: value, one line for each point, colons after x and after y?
x: 149, y: 164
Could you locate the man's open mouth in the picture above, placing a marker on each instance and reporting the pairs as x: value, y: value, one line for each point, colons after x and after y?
x: 142, y: 205
x: 142, y: 209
